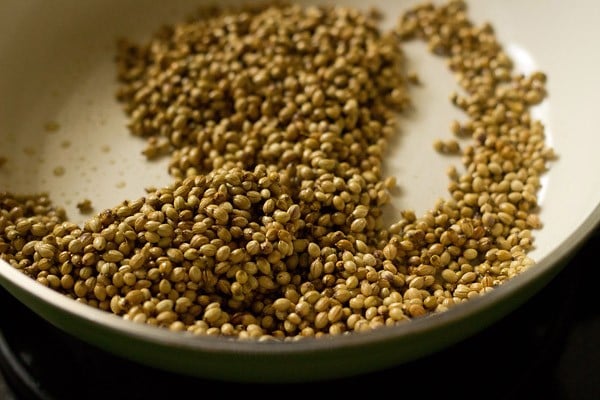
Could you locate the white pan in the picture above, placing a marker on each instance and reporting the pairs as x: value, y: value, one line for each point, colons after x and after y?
x: 62, y: 132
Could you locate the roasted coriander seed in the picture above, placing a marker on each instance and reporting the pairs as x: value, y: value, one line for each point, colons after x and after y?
x: 276, y: 119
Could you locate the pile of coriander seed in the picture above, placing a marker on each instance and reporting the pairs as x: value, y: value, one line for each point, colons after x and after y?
x: 275, y: 119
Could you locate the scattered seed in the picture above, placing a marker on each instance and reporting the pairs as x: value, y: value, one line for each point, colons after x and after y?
x: 59, y: 171
x: 85, y: 206
x: 51, y: 126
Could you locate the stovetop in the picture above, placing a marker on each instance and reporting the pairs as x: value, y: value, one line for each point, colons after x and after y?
x: 546, y: 349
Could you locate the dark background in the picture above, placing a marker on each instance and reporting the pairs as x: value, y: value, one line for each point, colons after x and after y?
x: 546, y: 349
